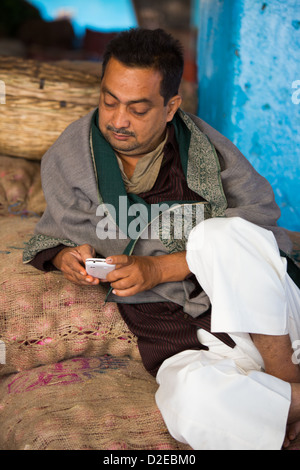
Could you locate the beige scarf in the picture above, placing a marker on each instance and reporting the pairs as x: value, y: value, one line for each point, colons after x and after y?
x: 146, y: 170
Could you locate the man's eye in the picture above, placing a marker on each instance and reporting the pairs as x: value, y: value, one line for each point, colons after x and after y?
x: 139, y: 113
x: 109, y: 105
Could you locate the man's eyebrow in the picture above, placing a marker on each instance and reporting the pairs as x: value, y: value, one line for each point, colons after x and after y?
x: 141, y: 100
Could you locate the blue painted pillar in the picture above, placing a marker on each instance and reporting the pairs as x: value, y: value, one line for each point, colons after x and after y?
x: 249, y: 87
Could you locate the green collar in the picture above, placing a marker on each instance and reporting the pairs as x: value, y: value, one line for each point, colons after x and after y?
x: 109, y: 178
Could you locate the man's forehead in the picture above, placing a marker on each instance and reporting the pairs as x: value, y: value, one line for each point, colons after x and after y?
x: 130, y: 83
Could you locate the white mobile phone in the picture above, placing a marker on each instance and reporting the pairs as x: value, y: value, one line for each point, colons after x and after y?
x: 97, y: 267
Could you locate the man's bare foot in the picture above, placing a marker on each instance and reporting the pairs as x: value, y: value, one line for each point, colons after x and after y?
x: 292, y: 432
x: 293, y: 424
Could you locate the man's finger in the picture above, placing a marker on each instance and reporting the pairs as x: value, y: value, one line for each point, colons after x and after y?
x: 74, y: 268
x: 78, y: 276
x: 81, y: 280
x: 125, y: 292
x: 74, y: 262
x: 119, y: 260
x: 87, y: 251
x: 80, y: 254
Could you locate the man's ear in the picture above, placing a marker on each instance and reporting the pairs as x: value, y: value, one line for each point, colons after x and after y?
x: 172, y: 106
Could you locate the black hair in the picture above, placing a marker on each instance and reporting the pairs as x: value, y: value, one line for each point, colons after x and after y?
x: 146, y: 48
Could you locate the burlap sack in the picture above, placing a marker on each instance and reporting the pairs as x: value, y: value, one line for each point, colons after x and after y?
x: 20, y: 187
x: 45, y: 318
x: 103, y: 403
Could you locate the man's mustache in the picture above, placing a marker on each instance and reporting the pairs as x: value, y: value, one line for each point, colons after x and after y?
x: 121, y: 131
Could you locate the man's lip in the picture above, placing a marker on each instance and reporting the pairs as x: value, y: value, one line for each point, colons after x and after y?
x: 121, y: 136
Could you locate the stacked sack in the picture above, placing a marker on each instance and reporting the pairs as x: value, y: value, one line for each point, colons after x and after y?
x: 71, y: 376
x: 41, y: 100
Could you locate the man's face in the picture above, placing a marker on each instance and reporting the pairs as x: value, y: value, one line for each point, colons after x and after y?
x: 132, y: 114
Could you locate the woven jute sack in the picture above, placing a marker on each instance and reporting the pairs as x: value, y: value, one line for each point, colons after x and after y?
x: 44, y: 318
x: 20, y: 187
x: 103, y: 403
x: 41, y: 100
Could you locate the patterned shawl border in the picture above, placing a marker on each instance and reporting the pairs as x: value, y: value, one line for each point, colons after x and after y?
x: 204, y: 170
x: 40, y: 243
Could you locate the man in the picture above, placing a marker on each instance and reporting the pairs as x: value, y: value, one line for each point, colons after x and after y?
x: 214, y: 310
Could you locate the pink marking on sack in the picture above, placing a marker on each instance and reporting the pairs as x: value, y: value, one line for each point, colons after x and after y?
x: 68, y: 303
x: 85, y: 362
x: 17, y: 385
x: 20, y: 384
x: 44, y: 341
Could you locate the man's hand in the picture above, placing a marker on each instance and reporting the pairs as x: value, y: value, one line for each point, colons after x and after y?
x: 134, y: 274
x: 71, y: 261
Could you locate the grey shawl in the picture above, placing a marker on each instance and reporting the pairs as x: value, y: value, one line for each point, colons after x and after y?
x: 72, y: 194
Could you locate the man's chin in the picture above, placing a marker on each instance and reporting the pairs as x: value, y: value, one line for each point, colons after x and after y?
x: 125, y: 149
x: 122, y: 146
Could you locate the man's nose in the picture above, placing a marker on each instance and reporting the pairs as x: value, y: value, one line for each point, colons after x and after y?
x: 121, y: 118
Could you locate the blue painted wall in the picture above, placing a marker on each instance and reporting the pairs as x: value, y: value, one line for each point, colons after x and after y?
x: 100, y: 15
x: 249, y: 87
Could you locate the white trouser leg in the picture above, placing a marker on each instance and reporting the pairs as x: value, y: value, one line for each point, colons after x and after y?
x: 239, y: 267
x: 213, y: 401
x: 221, y: 398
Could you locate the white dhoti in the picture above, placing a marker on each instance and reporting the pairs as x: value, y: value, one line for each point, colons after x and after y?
x: 222, y: 399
